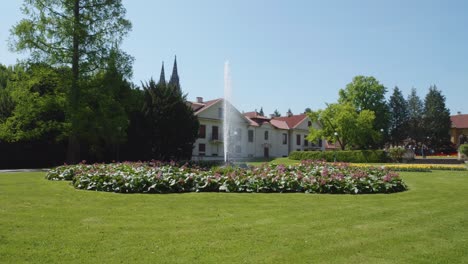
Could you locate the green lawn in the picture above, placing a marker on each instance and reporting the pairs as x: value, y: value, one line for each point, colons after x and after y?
x: 50, y: 222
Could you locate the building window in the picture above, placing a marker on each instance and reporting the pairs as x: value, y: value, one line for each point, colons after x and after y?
x: 220, y: 113
x: 251, y: 135
x: 201, y: 149
x: 285, y: 138
x: 320, y: 142
x: 214, y: 133
x: 266, y: 135
x: 309, y: 123
x: 306, y: 142
x: 202, y: 131
x: 298, y: 140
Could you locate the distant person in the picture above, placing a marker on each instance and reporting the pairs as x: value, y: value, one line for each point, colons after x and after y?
x: 461, y: 139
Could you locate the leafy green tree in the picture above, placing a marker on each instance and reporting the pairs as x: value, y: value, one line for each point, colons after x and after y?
x: 415, y: 112
x: 344, y: 124
x: 172, y: 125
x: 38, y: 94
x: 307, y: 110
x: 399, y: 117
x: 437, y: 122
x: 80, y: 33
x: 6, y: 102
x: 366, y: 93
x: 104, y: 112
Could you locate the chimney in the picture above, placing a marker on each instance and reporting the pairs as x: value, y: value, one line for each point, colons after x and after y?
x: 200, y: 100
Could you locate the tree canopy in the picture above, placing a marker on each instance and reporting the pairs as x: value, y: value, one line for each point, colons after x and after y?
x: 344, y: 124
x: 399, y: 117
x: 77, y: 33
x: 366, y: 93
x: 436, y: 119
x: 171, y: 124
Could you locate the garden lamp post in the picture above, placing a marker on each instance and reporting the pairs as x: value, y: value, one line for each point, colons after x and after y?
x: 334, y: 154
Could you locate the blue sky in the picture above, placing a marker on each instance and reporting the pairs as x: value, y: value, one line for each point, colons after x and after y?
x: 294, y: 54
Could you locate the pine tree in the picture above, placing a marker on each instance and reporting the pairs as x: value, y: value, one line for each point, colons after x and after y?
x: 436, y: 119
x: 399, y: 117
x: 261, y: 113
x: 415, y: 112
x: 276, y: 113
x: 172, y: 125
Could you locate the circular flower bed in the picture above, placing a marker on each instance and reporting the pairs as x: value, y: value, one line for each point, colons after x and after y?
x: 157, y: 177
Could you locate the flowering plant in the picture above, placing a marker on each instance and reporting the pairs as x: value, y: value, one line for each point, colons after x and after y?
x: 157, y: 177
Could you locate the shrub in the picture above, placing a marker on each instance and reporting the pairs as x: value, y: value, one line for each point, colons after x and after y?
x: 308, y: 177
x: 463, y: 149
x: 396, y: 153
x: 355, y: 156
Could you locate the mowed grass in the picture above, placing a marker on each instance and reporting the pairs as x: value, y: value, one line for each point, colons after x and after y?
x: 50, y: 222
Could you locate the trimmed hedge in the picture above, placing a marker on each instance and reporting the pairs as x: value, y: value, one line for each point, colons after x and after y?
x: 354, y: 156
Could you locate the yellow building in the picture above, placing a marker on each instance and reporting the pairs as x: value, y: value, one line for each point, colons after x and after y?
x: 459, y: 127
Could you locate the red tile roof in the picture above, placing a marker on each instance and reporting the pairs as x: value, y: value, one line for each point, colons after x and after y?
x: 199, y: 107
x: 279, y: 124
x: 459, y: 121
x: 292, y: 121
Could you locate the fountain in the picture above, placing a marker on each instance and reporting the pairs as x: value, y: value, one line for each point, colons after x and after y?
x: 231, y: 123
x: 227, y: 114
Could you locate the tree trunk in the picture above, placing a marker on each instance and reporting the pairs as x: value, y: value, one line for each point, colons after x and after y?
x: 73, y: 154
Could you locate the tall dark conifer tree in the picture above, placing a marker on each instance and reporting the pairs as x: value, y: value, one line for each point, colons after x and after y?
x: 436, y: 119
x: 399, y: 117
x: 171, y: 121
x: 415, y: 112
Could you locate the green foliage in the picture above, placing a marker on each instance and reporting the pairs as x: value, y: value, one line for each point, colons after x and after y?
x: 37, y: 95
x: 106, y: 104
x: 464, y: 149
x: 261, y: 112
x: 171, y: 124
x: 51, y: 28
x: 415, y: 112
x: 396, y: 153
x: 366, y: 93
x: 309, y: 177
x: 354, y: 156
x: 436, y: 119
x: 399, y: 117
x: 276, y: 113
x: 80, y: 34
x: 353, y: 127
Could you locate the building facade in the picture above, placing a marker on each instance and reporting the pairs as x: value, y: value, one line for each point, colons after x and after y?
x: 459, y: 129
x: 251, y: 135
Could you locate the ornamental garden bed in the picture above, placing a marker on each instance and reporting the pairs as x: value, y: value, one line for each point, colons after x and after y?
x: 158, y: 177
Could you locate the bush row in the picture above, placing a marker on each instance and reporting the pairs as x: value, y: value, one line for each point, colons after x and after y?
x: 354, y: 156
x: 308, y: 177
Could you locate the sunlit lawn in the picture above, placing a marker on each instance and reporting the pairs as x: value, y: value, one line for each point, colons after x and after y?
x: 50, y: 222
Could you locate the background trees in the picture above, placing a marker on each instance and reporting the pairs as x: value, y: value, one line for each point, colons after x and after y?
x: 399, y: 117
x: 75, y: 33
x: 171, y: 125
x: 436, y: 119
x: 366, y: 93
x: 410, y: 121
x: 352, y: 128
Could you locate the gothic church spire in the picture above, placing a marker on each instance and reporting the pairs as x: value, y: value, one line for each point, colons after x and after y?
x: 162, y: 78
x: 174, y: 81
